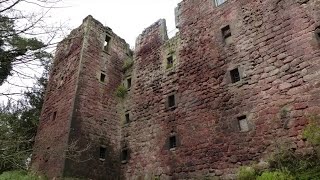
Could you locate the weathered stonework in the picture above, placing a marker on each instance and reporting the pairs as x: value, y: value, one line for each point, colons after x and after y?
x: 220, y: 119
x: 86, y: 107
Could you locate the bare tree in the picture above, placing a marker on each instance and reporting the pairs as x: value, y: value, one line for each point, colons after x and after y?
x: 26, y: 40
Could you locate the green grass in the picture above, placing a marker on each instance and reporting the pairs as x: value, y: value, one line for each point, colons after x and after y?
x: 276, y: 175
x: 20, y: 175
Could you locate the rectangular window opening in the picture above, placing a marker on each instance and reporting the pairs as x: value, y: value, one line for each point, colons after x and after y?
x: 102, y: 77
x: 226, y: 34
x: 173, y: 142
x: 219, y: 2
x: 235, y: 75
x: 127, y: 118
x: 129, y: 83
x: 169, y: 62
x: 317, y: 32
x: 171, y: 101
x: 54, y: 116
x: 124, y: 156
x: 243, y: 123
x: 103, y: 151
x: 107, y: 42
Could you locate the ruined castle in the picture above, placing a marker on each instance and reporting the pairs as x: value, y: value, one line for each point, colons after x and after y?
x: 239, y: 78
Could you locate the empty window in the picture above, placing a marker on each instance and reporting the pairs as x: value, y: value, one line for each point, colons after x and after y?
x: 219, y: 2
x: 169, y: 62
x: 107, y: 42
x: 102, y: 77
x: 317, y: 32
x: 243, y: 124
x: 103, y: 151
x: 171, y: 101
x: 124, y: 156
x: 235, y: 75
x: 226, y: 34
x: 127, y: 118
x: 54, y: 116
x: 129, y: 83
x: 172, y: 142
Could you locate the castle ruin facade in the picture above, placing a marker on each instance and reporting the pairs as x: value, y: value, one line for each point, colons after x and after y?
x: 240, y: 77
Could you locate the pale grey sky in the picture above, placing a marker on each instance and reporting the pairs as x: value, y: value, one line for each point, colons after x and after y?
x: 127, y: 18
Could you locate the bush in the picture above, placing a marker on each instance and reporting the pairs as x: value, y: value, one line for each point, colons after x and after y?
x: 299, y: 165
x: 246, y: 173
x: 312, y: 131
x: 121, y: 91
x: 276, y: 175
x: 20, y: 175
x: 309, y: 174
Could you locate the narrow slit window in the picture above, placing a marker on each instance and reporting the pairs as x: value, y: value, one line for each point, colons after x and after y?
x: 107, y: 43
x: 102, y: 77
x: 124, y: 156
x: 226, y: 34
x: 127, y: 116
x: 171, y: 101
x: 219, y: 2
x: 129, y: 83
x: 172, y: 142
x: 103, y: 151
x: 235, y: 75
x: 243, y: 124
x: 54, y: 116
x: 169, y: 62
x: 317, y: 32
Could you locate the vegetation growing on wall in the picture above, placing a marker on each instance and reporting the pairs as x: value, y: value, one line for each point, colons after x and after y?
x: 121, y: 91
x: 127, y: 65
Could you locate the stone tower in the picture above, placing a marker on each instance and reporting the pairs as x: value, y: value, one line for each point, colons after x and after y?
x: 79, y: 120
x: 240, y: 77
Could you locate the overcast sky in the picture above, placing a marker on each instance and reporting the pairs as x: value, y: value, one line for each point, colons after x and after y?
x: 127, y: 18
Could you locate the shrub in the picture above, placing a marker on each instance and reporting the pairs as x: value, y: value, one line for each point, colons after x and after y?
x: 312, y: 131
x: 246, y: 173
x: 303, y: 167
x: 276, y: 175
x: 127, y: 65
x: 121, y: 91
x: 312, y: 173
x: 20, y: 175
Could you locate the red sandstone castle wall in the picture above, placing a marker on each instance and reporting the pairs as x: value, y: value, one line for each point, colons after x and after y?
x: 52, y: 137
x: 86, y: 109
x: 276, y: 50
x: 96, y: 121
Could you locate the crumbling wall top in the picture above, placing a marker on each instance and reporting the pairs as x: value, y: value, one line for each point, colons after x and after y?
x: 159, y: 28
